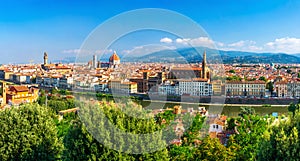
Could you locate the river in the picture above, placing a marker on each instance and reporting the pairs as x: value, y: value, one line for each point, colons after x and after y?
x: 230, y: 110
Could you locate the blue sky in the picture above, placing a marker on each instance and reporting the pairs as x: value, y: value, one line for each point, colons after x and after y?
x: 30, y: 27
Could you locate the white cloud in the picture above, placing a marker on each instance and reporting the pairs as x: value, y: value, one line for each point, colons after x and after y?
x: 166, y: 40
x: 71, y: 51
x: 283, y: 45
x: 183, y: 41
x: 220, y: 44
x: 243, y: 45
x: 87, y: 52
x: 146, y: 49
x: 237, y: 44
x: 200, y: 41
x: 286, y: 45
x: 104, y: 51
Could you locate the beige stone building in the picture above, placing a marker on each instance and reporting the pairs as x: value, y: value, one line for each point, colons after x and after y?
x: 281, y: 88
x: 245, y: 88
x: 293, y: 89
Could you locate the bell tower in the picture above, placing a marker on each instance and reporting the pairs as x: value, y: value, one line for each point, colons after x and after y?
x: 45, y: 58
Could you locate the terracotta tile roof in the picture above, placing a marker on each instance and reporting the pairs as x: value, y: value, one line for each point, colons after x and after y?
x: 246, y: 82
x: 190, y: 80
x: 62, y: 67
x: 223, y: 118
x: 282, y: 82
x: 213, y: 135
x: 49, y: 65
x: 114, y: 57
x: 144, y: 70
x: 176, y: 142
x: 129, y: 83
x: 187, y: 68
x: 219, y: 122
x: 19, y: 88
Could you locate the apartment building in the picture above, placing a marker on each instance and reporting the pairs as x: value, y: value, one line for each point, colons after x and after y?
x: 195, y: 87
x: 245, y: 88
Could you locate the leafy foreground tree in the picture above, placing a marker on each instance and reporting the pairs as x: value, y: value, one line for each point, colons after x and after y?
x: 246, y: 111
x: 28, y: 132
x: 182, y: 152
x: 212, y: 150
x: 293, y: 108
x: 282, y: 140
x: 81, y: 145
x: 117, y: 142
x: 61, y: 104
x: 56, y: 103
x: 63, y: 126
x: 250, y: 129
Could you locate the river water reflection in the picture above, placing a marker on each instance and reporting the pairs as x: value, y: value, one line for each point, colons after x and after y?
x: 228, y: 110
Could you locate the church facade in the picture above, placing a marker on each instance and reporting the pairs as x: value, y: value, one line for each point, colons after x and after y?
x: 202, y: 72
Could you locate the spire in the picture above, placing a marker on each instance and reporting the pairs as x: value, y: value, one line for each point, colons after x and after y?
x: 204, y: 71
x: 204, y: 57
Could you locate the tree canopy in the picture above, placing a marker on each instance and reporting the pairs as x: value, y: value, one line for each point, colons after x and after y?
x: 234, y: 78
x: 110, y: 131
x: 28, y: 132
x: 106, y: 143
x: 263, y: 78
x: 281, y: 141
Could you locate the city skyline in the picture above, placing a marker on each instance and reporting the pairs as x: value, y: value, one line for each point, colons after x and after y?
x: 150, y: 80
x: 29, y: 28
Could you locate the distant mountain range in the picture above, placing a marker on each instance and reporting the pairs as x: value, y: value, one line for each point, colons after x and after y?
x: 194, y: 55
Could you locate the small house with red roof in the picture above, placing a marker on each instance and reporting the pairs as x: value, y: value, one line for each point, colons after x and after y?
x: 16, y: 95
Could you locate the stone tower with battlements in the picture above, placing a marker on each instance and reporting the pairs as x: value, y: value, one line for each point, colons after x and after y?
x: 45, y: 58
